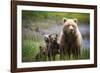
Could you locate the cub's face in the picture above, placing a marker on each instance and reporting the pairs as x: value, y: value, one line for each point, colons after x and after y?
x: 53, y: 38
x: 69, y: 26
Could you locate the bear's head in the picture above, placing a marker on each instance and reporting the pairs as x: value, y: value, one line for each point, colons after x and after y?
x: 53, y: 38
x: 69, y: 26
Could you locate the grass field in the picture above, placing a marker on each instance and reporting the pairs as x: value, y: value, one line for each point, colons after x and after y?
x: 31, y: 49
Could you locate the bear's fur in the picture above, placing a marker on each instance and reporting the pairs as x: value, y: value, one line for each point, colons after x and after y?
x: 52, y: 46
x: 70, y: 40
x: 43, y: 52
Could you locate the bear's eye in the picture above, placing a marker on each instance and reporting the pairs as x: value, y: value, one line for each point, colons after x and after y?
x: 73, y: 26
x: 68, y: 25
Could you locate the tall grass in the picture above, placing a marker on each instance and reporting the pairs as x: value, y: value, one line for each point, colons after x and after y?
x: 30, y: 49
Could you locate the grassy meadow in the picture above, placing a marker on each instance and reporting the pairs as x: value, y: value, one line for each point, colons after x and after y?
x: 37, y: 23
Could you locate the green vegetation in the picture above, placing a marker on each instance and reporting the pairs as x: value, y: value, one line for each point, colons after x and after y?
x: 54, y: 16
x: 30, y: 50
x: 32, y: 21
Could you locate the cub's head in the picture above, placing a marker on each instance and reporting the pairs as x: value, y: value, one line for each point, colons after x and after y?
x: 53, y: 38
x: 46, y: 39
x: 69, y: 26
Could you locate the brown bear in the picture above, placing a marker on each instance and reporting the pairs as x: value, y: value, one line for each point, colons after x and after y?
x: 70, y: 40
x: 42, y: 54
x: 52, y: 46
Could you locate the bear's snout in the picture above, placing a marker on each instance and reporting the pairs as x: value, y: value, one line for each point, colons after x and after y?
x: 71, y: 28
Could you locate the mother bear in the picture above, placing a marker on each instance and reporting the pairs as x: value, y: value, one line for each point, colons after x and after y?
x: 70, y: 40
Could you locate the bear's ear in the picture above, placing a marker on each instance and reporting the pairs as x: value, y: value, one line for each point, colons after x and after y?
x: 50, y: 35
x: 56, y: 35
x: 64, y: 19
x: 75, y: 20
x: 40, y: 48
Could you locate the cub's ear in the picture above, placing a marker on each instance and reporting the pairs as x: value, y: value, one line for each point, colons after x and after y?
x: 75, y: 20
x: 64, y: 19
x: 40, y: 47
x: 50, y: 35
x: 56, y: 35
